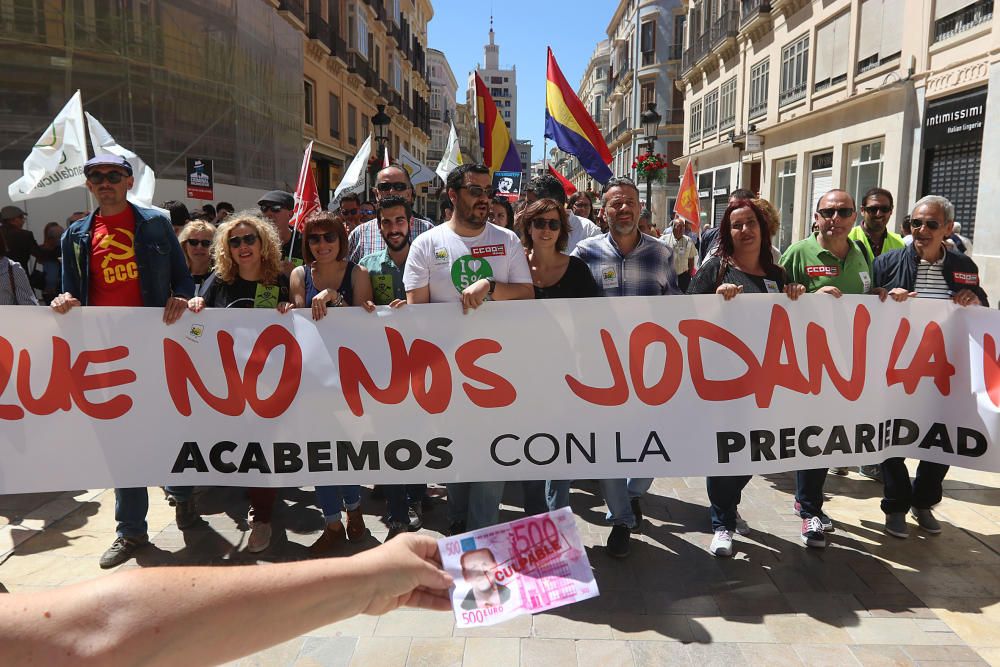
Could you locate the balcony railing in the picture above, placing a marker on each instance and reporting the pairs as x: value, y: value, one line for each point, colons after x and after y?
x: 621, y: 75
x: 751, y: 9
x: 319, y: 29
x: 699, y: 47
x: 725, y: 27
x: 674, y: 51
x: 296, y: 8
x: 620, y: 129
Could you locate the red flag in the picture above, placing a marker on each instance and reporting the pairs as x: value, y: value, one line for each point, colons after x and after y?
x: 306, y: 194
x: 687, y: 205
x: 568, y: 187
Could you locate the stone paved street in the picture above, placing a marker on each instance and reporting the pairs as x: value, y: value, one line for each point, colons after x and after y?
x: 868, y: 599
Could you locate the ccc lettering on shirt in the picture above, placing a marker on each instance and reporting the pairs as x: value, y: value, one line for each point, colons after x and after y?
x: 497, y: 250
x: 966, y: 278
x: 822, y: 271
x: 116, y: 252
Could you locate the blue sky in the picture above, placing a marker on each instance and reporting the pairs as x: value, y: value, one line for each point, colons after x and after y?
x: 523, y: 29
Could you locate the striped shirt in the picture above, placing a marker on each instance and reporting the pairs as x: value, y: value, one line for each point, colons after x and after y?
x: 366, y: 238
x: 23, y: 295
x: 930, y: 283
x: 647, y: 270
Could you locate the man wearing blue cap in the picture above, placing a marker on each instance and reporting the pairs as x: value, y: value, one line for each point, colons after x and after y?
x: 124, y: 255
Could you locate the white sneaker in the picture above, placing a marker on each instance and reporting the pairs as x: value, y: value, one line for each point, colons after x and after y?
x: 260, y: 537
x: 722, y: 543
x: 742, y: 527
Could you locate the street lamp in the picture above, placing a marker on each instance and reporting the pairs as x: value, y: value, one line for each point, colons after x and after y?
x: 381, y: 122
x: 650, y: 123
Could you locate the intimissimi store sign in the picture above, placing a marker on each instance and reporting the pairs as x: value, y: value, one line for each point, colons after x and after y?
x: 957, y: 119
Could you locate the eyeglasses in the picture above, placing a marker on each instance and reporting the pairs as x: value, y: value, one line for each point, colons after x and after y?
x: 204, y: 243
x: 388, y: 187
x: 478, y: 191
x: 237, y: 241
x: 917, y: 223
x: 273, y: 208
x: 828, y: 213
x: 98, y: 177
x: 329, y: 237
x: 350, y: 211
x: 542, y: 223
x: 368, y: 212
x: 877, y: 210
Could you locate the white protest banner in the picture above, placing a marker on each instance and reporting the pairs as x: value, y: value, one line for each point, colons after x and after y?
x: 57, y: 158
x: 558, y: 389
x: 525, y: 566
x: 144, y: 178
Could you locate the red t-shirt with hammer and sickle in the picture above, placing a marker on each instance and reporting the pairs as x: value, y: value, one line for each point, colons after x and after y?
x: 114, y: 275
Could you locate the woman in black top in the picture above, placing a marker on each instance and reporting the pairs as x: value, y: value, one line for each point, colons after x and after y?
x: 196, y: 241
x: 743, y: 264
x: 248, y: 274
x: 555, y: 275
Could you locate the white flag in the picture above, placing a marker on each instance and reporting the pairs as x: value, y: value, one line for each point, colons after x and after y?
x: 144, y: 183
x: 418, y: 171
x: 56, y: 161
x: 354, y: 177
x: 452, y: 156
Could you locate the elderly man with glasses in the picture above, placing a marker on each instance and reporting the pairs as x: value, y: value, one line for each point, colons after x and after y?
x: 925, y: 269
x: 826, y: 262
x: 366, y: 238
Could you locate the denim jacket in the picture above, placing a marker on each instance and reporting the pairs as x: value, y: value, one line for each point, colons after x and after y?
x: 163, y: 271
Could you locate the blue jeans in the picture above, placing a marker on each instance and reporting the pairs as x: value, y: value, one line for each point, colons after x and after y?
x: 724, y: 495
x: 400, y: 496
x: 332, y: 499
x: 557, y: 493
x: 132, y: 505
x: 809, y: 490
x: 618, y: 494
x: 477, y: 504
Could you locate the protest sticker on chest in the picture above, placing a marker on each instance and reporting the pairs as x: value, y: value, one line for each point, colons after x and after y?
x: 382, y: 288
x: 966, y: 278
x: 609, y: 276
x: 822, y: 271
x: 521, y: 567
x: 468, y: 269
x: 265, y: 296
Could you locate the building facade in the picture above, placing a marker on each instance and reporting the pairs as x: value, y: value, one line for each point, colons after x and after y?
x: 443, y: 89
x: 502, y: 84
x: 468, y: 132
x: 791, y: 98
x: 593, y: 94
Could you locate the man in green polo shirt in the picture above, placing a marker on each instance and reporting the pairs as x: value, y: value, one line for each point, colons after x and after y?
x: 826, y: 262
x: 385, y: 269
x: 872, y: 233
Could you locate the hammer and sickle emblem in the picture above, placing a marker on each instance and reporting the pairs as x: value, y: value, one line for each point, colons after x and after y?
x: 125, y: 251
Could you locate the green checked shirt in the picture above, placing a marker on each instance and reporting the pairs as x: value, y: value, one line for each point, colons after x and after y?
x: 386, y: 277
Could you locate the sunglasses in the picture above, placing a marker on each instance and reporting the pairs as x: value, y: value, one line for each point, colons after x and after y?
x: 542, y: 223
x: 917, y: 223
x: 350, y: 211
x: 877, y: 210
x: 98, y: 177
x: 479, y: 191
x: 204, y: 243
x: 388, y: 187
x: 828, y: 213
x: 369, y: 212
x: 237, y: 241
x: 329, y: 237
x: 273, y: 208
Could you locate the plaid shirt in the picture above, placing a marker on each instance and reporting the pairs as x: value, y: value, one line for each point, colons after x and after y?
x: 646, y: 271
x: 366, y: 237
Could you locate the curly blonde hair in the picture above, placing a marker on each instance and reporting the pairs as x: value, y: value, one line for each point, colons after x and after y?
x: 267, y: 237
x: 190, y: 229
x: 771, y: 215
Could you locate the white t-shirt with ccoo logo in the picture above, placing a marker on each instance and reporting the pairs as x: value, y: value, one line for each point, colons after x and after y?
x: 449, y: 263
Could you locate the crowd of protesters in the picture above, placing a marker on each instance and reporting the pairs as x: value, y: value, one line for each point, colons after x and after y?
x: 366, y: 254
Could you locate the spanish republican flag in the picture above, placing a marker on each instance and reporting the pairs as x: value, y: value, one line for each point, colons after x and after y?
x: 571, y: 127
x: 686, y: 205
x: 499, y: 152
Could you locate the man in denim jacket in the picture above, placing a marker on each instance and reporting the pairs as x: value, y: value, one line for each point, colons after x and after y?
x: 124, y: 255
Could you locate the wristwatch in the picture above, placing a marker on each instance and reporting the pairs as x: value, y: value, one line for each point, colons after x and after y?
x: 493, y: 285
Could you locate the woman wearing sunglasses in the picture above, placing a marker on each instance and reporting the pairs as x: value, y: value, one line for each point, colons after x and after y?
x: 327, y: 280
x: 247, y: 257
x: 196, y: 242
x: 742, y: 264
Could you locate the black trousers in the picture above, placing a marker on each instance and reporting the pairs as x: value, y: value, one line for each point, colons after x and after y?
x: 900, y: 495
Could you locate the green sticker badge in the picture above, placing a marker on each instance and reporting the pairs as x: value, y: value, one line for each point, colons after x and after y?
x: 266, y: 296
x: 468, y: 269
x: 382, y: 289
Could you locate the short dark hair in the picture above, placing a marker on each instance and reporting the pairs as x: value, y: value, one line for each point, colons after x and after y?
x: 350, y: 196
x: 547, y: 186
x: 577, y: 196
x: 224, y: 206
x: 541, y: 206
x: 457, y: 176
x: 619, y: 182
x: 742, y: 193
x: 324, y: 220
x: 179, y: 213
x: 392, y: 202
x: 500, y: 200
x: 208, y: 209
x: 875, y: 192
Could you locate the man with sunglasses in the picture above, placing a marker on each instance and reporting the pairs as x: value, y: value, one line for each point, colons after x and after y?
x: 469, y: 261
x: 350, y: 208
x: 826, y: 262
x: 625, y: 262
x: 366, y: 237
x: 925, y: 269
x: 277, y: 206
x: 872, y: 233
x: 124, y: 255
